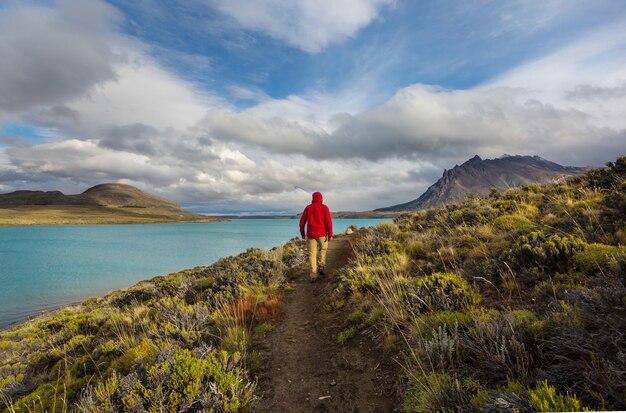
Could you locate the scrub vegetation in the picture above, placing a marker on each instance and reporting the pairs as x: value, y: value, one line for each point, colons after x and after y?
x: 174, y: 343
x: 514, y: 302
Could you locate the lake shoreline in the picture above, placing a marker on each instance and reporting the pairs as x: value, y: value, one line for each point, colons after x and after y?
x: 48, y: 215
x: 85, y: 219
x: 69, y: 264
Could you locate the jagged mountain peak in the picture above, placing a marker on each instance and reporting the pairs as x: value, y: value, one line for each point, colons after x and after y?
x: 473, y: 160
x: 478, y: 176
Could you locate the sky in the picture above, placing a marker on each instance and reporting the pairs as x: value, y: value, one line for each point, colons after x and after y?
x: 249, y: 106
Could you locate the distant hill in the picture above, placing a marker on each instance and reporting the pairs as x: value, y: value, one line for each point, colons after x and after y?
x: 101, y: 204
x: 479, y: 177
x: 106, y: 195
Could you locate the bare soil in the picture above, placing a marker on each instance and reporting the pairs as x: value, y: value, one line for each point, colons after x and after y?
x: 305, y: 369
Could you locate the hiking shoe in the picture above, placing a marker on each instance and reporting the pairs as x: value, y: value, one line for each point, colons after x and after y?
x: 312, y: 279
x: 320, y: 271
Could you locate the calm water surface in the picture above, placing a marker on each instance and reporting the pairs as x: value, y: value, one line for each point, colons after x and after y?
x: 46, y: 267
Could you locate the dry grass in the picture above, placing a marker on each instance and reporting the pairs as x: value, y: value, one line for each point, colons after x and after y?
x: 87, y: 215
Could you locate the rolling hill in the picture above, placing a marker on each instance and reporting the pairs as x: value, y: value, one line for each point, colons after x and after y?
x: 101, y: 204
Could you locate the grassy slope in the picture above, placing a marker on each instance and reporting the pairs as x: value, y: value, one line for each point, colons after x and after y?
x: 88, y: 214
x: 166, y: 344
x: 513, y: 302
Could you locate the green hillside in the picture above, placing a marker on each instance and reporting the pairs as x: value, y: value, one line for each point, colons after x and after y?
x: 514, y: 302
x: 173, y: 343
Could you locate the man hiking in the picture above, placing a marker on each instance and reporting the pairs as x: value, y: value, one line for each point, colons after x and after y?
x: 319, y: 231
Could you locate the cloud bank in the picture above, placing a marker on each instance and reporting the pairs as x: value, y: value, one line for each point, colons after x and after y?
x: 108, y: 111
x: 52, y: 54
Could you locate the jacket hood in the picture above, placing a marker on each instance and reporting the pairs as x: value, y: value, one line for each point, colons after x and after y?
x: 317, y: 197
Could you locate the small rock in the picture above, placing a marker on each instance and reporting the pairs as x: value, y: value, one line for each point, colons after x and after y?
x: 323, y: 397
x: 333, y: 383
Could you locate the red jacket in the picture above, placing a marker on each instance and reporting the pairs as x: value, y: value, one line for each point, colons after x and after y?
x: 317, y: 215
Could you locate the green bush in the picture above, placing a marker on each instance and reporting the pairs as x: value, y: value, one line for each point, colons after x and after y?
x: 186, y: 375
x: 598, y: 258
x: 142, y: 353
x: 472, y: 214
x: 355, y: 317
x: 440, y: 292
x: 511, y: 206
x: 546, y: 399
x: 546, y: 253
x: 512, y: 223
x: 40, y: 399
x: 434, y: 320
x: 178, y: 380
x: 346, y: 335
x: 417, y: 249
x: 435, y: 392
x: 263, y: 328
x: 505, y: 206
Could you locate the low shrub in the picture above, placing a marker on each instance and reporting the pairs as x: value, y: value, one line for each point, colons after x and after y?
x: 512, y: 223
x: 546, y: 253
x: 498, y: 350
x: 435, y: 392
x: 440, y: 292
x: 178, y: 380
x: 263, y: 328
x: 436, y: 319
x: 545, y: 398
x: 355, y: 318
x: 346, y: 334
x: 580, y: 350
x: 599, y: 258
x: 441, y: 349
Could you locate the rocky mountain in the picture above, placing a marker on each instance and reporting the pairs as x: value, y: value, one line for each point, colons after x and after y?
x: 479, y: 177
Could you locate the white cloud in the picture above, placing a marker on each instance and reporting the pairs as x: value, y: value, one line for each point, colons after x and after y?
x: 142, y: 93
x: 310, y: 25
x: 52, y: 54
x: 74, y: 159
x: 141, y: 124
x: 596, y: 62
x: 421, y: 122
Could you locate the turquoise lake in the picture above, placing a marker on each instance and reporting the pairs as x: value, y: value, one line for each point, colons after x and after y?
x: 44, y: 267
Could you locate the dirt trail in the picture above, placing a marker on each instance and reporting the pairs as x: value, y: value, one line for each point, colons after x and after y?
x: 305, y: 369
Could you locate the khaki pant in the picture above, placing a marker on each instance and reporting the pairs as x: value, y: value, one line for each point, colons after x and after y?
x: 313, y: 245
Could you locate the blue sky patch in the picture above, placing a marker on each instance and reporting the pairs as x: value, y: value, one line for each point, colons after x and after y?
x: 24, y: 131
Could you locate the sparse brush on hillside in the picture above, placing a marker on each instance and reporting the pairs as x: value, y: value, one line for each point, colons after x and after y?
x: 514, y: 302
x: 174, y: 343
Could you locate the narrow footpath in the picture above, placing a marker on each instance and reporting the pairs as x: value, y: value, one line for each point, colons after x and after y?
x: 305, y: 369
